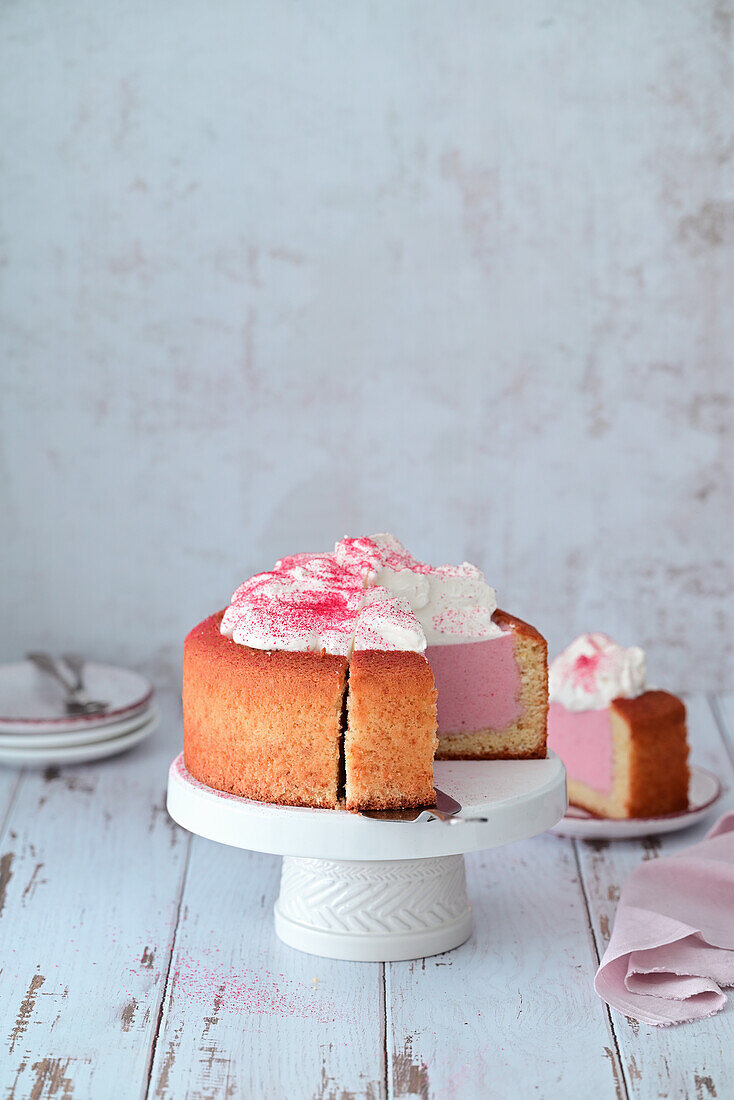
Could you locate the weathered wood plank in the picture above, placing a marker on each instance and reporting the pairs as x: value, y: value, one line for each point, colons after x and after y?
x: 692, y: 1060
x: 513, y: 1011
x: 90, y: 904
x: 10, y: 784
x: 245, y: 1015
x: 723, y: 707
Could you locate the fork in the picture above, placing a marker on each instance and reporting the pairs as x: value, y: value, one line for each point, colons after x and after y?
x: 76, y: 702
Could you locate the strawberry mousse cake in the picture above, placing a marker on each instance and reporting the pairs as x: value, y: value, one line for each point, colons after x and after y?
x: 317, y: 686
x: 624, y: 746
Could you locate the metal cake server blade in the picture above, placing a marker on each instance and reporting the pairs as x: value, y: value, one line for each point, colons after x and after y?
x: 445, y: 810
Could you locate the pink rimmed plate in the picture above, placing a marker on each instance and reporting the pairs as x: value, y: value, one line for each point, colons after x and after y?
x: 60, y: 739
x: 31, y: 702
x: 704, y: 791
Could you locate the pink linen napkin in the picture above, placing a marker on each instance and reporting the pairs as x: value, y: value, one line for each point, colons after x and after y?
x: 672, y: 945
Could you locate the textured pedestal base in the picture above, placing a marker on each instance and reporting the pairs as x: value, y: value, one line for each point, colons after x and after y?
x: 373, y: 911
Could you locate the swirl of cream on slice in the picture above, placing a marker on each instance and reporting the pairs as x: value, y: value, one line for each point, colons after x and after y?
x: 593, y: 670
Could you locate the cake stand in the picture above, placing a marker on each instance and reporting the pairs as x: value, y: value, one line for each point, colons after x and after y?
x: 356, y: 888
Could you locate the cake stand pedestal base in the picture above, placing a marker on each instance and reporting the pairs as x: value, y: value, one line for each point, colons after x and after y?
x: 373, y: 911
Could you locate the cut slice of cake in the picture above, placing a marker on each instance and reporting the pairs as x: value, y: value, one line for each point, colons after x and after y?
x: 625, y: 747
x: 390, y: 738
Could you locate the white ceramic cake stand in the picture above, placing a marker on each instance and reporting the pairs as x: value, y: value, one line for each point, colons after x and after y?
x: 355, y: 888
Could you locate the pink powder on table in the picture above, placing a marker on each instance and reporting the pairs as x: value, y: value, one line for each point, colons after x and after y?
x: 478, y: 684
x: 583, y: 740
x: 250, y: 992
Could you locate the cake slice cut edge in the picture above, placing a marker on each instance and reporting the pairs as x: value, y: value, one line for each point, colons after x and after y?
x: 526, y: 736
x: 390, y: 739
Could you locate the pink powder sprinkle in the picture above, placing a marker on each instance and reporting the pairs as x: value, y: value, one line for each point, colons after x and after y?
x: 585, y: 668
x: 251, y: 992
x: 316, y: 600
x: 366, y: 554
x: 305, y: 595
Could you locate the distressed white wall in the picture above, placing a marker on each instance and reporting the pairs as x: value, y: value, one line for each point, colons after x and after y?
x: 274, y: 272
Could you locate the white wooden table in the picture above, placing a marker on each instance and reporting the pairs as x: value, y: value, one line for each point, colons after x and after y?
x: 137, y: 960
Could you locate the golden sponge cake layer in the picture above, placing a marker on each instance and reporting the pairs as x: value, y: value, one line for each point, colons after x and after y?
x: 269, y: 725
x: 265, y: 725
x: 390, y: 739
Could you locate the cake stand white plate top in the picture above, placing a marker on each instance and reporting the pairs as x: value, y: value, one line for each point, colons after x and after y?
x: 360, y: 889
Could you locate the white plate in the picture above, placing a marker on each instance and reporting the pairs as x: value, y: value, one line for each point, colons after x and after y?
x: 704, y: 792
x: 78, y: 754
x: 61, y: 739
x: 30, y: 700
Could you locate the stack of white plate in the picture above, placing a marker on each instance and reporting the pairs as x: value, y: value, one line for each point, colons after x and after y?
x: 36, y: 730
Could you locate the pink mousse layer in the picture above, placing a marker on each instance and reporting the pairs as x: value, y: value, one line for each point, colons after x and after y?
x: 583, y: 740
x: 478, y: 684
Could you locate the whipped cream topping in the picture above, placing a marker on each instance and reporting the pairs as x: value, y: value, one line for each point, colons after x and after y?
x: 453, y: 603
x: 307, y: 603
x: 387, y: 622
x: 593, y: 670
x: 369, y: 594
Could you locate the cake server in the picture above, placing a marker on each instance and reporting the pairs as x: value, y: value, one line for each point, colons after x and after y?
x: 445, y: 810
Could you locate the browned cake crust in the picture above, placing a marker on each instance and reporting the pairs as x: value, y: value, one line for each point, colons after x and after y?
x: 658, y: 749
x: 506, y: 621
x: 262, y: 724
x: 391, y: 733
x: 526, y: 738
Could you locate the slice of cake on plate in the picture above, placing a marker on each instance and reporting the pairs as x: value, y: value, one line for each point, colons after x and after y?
x: 624, y: 746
